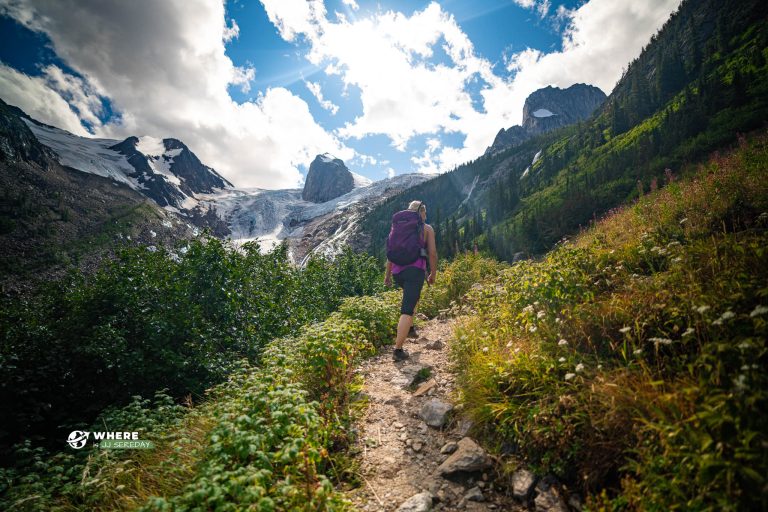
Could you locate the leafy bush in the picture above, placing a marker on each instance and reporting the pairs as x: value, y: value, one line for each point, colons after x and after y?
x: 148, y: 320
x: 454, y: 280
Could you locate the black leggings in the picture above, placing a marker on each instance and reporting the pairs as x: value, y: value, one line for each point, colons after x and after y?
x: 411, y: 280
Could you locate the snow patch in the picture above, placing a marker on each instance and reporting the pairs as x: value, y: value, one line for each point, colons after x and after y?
x: 92, y: 156
x: 525, y: 172
x: 360, y: 181
x: 542, y: 112
x: 536, y: 157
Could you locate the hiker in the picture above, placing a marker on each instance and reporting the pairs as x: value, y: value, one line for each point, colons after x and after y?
x: 410, y: 244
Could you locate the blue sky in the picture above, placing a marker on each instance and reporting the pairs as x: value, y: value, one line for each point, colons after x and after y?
x: 256, y: 89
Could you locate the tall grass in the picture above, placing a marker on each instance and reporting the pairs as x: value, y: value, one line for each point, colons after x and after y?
x: 631, y: 361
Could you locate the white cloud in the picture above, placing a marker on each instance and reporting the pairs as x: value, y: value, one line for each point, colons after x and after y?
x: 390, y: 172
x: 35, y: 97
x: 389, y: 58
x: 540, y: 6
x: 351, y: 4
x: 164, y: 68
x: 328, y: 105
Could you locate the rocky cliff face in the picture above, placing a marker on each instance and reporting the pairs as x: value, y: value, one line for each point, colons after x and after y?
x: 550, y: 108
x: 328, y: 178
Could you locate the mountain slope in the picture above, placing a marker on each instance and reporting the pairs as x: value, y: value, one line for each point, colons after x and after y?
x: 702, y: 79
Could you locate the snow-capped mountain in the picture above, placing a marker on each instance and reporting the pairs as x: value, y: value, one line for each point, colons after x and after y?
x: 270, y: 216
x: 164, y: 170
x: 170, y: 174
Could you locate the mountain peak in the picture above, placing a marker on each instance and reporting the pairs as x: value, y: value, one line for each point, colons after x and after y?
x: 549, y: 108
x: 327, y: 179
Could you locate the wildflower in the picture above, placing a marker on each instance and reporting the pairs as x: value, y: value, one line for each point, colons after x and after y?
x: 561, y: 360
x: 725, y: 316
x: 688, y: 332
x: 759, y: 310
x: 569, y: 376
x: 740, y: 382
x: 638, y: 352
x: 532, y: 328
x: 744, y: 345
x: 528, y: 309
x: 702, y: 309
x: 660, y: 341
x: 557, y: 320
x: 485, y: 350
x: 541, y: 314
x: 677, y: 260
x: 509, y: 344
x: 625, y: 330
x: 562, y: 343
x: 579, y: 368
x: 599, y: 367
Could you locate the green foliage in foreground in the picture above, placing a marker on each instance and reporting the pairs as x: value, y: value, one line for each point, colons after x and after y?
x: 632, y: 362
x: 151, y: 320
x: 266, y: 439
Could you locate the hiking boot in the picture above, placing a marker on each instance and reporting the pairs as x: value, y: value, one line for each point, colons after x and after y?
x: 400, y: 355
x: 412, y: 333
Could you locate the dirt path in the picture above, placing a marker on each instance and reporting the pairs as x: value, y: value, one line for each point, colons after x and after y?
x: 399, y: 454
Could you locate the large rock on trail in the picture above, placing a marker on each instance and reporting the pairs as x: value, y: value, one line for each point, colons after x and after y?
x: 468, y: 458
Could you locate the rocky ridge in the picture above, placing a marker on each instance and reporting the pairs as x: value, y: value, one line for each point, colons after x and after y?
x: 547, y: 109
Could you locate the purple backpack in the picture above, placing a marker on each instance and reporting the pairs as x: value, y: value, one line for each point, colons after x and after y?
x: 404, y: 242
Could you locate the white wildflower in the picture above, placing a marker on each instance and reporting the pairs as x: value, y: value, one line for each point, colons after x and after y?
x: 599, y: 367
x: 744, y: 345
x: 759, y: 310
x: 625, y: 330
x: 569, y: 376
x: 541, y: 314
x: 741, y: 382
x: 485, y: 350
x: 689, y: 331
x: 528, y: 309
x: 532, y: 328
x: 557, y: 320
x: 702, y: 309
x: 561, y: 360
x: 638, y: 352
x: 660, y: 341
x: 677, y: 260
x: 562, y: 343
x: 579, y: 368
x: 727, y: 315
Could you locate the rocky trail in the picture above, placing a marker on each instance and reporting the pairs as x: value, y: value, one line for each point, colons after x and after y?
x: 414, y: 452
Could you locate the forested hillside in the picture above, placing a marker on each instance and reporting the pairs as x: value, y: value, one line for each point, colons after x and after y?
x: 700, y: 81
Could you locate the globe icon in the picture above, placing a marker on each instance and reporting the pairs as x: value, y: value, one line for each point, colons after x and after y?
x: 77, y: 439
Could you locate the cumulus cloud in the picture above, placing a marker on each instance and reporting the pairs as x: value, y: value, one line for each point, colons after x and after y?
x: 405, y: 92
x: 164, y: 68
x: 35, y: 96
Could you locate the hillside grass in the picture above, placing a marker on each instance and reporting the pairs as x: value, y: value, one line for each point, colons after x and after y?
x: 631, y: 361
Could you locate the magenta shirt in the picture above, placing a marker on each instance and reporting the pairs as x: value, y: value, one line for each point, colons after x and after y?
x: 419, y: 263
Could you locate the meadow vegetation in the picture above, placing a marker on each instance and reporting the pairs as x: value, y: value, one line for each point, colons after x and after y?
x: 631, y: 360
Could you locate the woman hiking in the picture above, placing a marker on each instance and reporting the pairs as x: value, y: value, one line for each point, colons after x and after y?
x: 410, y: 244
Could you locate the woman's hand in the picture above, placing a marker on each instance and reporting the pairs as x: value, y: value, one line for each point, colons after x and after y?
x: 431, y: 278
x: 388, y: 280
